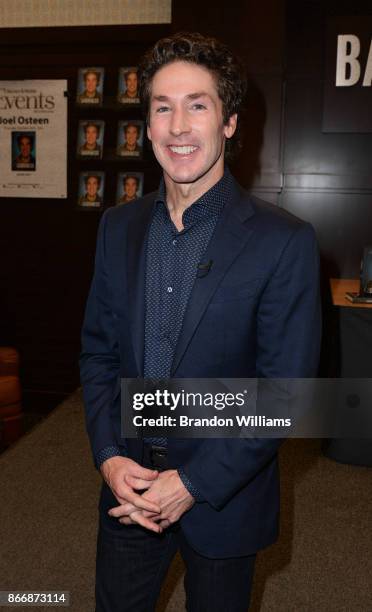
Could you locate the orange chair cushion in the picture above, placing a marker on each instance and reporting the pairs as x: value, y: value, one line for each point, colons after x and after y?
x: 9, y: 361
x: 10, y: 391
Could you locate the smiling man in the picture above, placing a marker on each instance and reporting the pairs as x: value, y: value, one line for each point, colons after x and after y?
x: 254, y: 312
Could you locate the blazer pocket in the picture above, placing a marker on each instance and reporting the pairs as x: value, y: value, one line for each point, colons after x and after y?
x: 229, y: 293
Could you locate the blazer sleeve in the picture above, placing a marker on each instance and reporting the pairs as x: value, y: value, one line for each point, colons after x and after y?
x: 99, y: 359
x: 288, y: 346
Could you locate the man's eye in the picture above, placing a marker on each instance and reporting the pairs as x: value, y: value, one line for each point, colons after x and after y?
x: 162, y: 109
x: 198, y: 106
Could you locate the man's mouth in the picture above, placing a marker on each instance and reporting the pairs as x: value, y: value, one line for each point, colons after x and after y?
x: 182, y: 149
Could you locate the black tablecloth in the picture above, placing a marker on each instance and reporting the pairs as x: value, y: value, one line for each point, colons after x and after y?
x: 355, y: 335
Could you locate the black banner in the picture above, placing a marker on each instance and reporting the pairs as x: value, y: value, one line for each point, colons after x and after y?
x: 348, y: 75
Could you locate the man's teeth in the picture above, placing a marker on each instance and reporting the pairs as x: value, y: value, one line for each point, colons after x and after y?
x: 184, y: 150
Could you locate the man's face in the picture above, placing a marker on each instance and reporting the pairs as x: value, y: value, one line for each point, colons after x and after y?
x: 131, y: 83
x: 91, y: 135
x: 91, y: 82
x: 25, y: 146
x: 92, y: 186
x: 130, y: 187
x: 186, y: 124
x: 131, y: 135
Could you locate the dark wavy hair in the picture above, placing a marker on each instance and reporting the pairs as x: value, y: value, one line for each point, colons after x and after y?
x: 227, y: 70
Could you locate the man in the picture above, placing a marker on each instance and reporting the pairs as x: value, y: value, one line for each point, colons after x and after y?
x: 24, y: 160
x: 91, y: 148
x: 130, y: 188
x: 90, y: 95
x: 130, y: 95
x: 131, y: 147
x: 92, y: 187
x: 252, y: 312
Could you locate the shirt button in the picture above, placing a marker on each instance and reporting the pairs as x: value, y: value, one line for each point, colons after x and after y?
x: 174, y: 241
x: 170, y: 289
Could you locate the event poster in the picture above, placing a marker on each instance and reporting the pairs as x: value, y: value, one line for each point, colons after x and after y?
x: 33, y: 139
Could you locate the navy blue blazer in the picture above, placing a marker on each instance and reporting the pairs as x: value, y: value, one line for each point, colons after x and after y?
x: 256, y: 314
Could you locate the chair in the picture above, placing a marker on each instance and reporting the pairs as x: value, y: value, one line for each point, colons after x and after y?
x: 10, y: 397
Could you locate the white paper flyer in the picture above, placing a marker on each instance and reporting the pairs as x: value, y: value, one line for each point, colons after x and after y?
x: 33, y: 139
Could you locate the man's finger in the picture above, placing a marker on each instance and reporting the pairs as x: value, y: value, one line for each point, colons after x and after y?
x: 121, y: 500
x: 138, y: 471
x: 142, y: 503
x: 154, y: 516
x: 126, y: 520
x: 127, y: 509
x: 137, y: 483
x: 128, y: 495
x: 138, y: 502
x: 137, y: 517
x: 123, y: 510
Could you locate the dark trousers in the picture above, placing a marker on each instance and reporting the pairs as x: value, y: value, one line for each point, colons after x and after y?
x: 132, y: 563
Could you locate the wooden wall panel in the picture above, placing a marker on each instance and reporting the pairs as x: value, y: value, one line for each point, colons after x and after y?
x: 256, y: 33
x: 327, y: 177
x: 343, y: 223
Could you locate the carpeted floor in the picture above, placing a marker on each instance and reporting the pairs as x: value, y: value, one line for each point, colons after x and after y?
x: 49, y: 490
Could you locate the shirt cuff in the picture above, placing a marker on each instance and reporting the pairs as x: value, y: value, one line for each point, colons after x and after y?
x: 189, y: 486
x: 107, y: 453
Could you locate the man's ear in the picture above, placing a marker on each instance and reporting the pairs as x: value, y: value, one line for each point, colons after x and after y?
x: 148, y: 129
x: 230, y: 126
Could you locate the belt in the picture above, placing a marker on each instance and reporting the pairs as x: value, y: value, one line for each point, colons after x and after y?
x: 155, y: 457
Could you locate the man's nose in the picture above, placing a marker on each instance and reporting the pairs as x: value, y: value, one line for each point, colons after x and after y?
x: 179, y: 122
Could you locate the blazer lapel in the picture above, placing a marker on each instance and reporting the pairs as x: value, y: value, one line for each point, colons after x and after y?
x: 136, y: 269
x: 229, y: 239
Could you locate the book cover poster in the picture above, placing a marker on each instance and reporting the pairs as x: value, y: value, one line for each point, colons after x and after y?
x: 130, y: 139
x: 90, y: 86
x: 128, y: 86
x: 91, y: 190
x: 33, y: 139
x: 90, y: 138
x: 129, y: 187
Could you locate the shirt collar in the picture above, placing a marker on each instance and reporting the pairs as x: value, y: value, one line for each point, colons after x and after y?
x: 210, y: 204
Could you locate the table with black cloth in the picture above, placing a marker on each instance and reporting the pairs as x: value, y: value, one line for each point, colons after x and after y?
x: 355, y: 346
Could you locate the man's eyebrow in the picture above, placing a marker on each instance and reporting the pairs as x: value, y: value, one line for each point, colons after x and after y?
x: 198, y: 94
x: 160, y: 98
x: 191, y: 96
